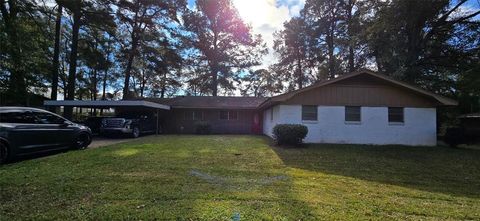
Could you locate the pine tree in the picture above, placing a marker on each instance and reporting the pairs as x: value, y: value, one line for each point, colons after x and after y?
x: 291, y: 48
x: 260, y: 83
x: 139, y: 19
x: 222, y: 44
x: 92, y: 13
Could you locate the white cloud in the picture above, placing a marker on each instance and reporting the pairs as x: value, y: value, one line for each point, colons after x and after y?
x: 266, y: 17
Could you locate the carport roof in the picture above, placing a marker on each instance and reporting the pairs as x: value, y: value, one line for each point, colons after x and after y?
x: 210, y: 102
x: 107, y: 104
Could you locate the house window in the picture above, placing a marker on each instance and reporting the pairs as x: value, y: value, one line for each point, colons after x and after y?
x: 353, y: 114
x: 188, y: 115
x: 193, y: 115
x: 223, y: 115
x: 232, y: 115
x: 309, y: 112
x: 395, y: 115
x: 198, y: 115
x: 228, y: 115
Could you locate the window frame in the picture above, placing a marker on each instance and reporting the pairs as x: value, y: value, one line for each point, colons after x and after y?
x: 188, y: 113
x: 198, y: 112
x: 389, y: 115
x: 315, y: 112
x: 228, y: 112
x: 348, y: 115
x: 192, y: 115
x: 220, y: 114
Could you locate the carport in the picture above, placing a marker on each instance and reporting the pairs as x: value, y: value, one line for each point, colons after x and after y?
x: 106, y: 104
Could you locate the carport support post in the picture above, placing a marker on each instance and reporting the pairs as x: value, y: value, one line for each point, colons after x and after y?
x: 157, y: 120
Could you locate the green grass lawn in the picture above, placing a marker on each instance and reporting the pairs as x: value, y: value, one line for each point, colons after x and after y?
x: 231, y: 177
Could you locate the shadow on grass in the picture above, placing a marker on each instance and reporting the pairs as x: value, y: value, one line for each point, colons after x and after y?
x: 433, y: 169
x: 32, y: 156
x: 103, y: 141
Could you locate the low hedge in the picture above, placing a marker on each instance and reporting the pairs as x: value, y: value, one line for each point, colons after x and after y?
x: 203, y: 128
x: 290, y: 134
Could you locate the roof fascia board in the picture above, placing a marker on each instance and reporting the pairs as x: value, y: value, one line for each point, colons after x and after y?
x: 107, y: 103
x: 217, y: 108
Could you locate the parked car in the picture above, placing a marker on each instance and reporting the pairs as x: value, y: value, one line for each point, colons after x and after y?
x: 132, y: 123
x: 26, y: 130
x: 466, y: 132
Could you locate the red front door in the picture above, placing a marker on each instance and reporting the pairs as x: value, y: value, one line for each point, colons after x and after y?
x: 257, y: 123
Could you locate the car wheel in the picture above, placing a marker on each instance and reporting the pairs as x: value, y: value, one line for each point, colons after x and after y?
x: 82, y: 141
x: 4, y: 153
x: 135, y: 132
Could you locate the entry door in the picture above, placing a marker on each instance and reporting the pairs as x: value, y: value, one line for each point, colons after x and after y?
x: 257, y: 123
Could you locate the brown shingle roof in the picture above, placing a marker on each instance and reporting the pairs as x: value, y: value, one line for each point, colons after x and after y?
x: 210, y: 102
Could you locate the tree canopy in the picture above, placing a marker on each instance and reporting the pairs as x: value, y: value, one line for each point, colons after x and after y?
x: 114, y: 49
x: 430, y: 43
x: 222, y: 45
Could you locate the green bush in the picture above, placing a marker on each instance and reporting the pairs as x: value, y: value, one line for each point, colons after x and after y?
x: 290, y: 134
x: 203, y: 128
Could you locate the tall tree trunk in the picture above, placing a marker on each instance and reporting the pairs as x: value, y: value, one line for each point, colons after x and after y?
x: 132, y: 52
x: 300, y: 76
x: 142, y: 85
x: 378, y: 61
x: 163, y: 85
x: 56, y: 53
x: 299, y: 70
x: 80, y: 97
x: 73, y: 62
x: 330, y: 41
x: 214, y: 80
x: 94, y: 89
x: 215, y: 65
x: 17, y: 90
x: 351, y: 43
x: 351, y: 59
x: 104, y: 86
x: 94, y: 84
x: 331, y: 59
x: 128, y: 69
x: 134, y: 81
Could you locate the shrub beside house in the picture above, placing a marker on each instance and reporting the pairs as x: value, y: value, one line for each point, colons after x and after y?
x: 289, y: 134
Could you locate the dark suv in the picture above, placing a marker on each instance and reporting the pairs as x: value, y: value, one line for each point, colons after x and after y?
x: 132, y: 123
x: 29, y: 130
